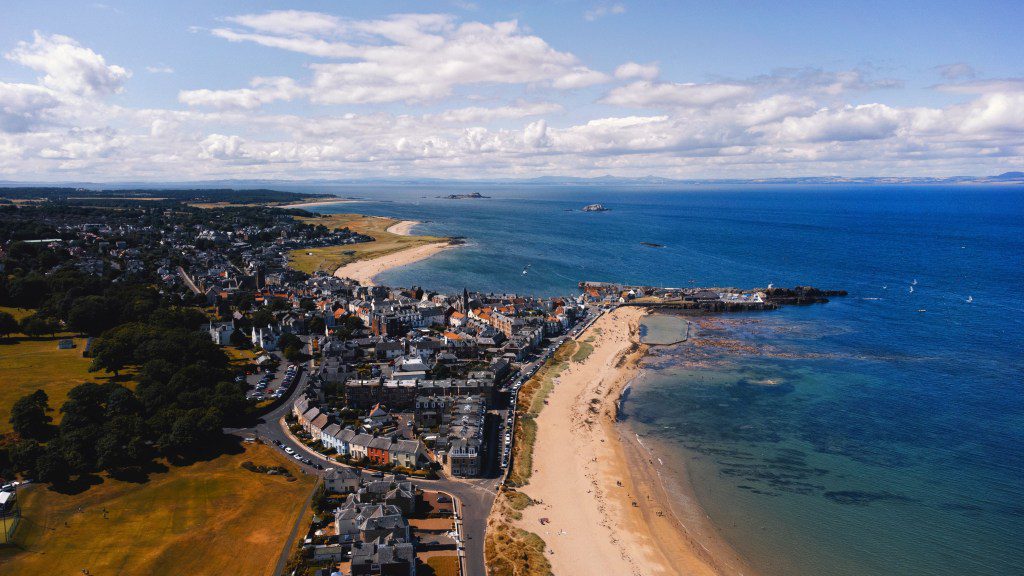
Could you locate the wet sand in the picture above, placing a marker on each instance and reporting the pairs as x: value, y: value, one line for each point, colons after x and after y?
x: 607, y: 510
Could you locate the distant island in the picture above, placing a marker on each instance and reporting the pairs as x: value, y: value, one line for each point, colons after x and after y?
x: 595, y: 208
x: 471, y: 196
x: 652, y: 245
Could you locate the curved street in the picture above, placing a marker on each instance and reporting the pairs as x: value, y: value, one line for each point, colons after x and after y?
x: 475, y: 496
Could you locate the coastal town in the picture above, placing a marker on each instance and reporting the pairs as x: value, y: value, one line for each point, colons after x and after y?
x: 405, y: 403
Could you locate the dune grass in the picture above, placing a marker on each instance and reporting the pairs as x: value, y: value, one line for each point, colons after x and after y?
x: 530, y: 403
x: 330, y: 258
x: 512, y: 551
x: 207, y: 517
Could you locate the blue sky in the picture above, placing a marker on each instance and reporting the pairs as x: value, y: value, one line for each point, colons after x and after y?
x: 127, y: 91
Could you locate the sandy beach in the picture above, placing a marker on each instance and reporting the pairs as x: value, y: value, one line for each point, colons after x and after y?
x: 403, y: 228
x: 606, y: 510
x: 366, y: 271
x: 317, y: 203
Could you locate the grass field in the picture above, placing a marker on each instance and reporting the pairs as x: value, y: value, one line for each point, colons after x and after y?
x: 18, y: 313
x: 441, y: 566
x: 209, y: 517
x: 27, y: 364
x: 330, y: 258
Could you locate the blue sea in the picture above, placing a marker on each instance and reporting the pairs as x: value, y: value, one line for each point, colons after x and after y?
x: 881, y: 433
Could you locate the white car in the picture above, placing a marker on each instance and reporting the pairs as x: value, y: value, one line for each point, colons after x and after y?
x: 289, y: 450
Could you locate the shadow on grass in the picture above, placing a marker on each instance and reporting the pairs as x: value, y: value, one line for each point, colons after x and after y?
x: 139, y: 474
x: 210, y: 450
x: 77, y: 485
x: 214, y: 448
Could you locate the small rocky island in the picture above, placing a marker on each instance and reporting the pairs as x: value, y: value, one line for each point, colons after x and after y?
x: 652, y: 244
x: 470, y: 196
x: 595, y: 208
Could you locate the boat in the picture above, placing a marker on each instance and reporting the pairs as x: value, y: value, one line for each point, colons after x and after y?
x: 885, y: 287
x: 911, y: 290
x: 970, y: 299
x: 914, y: 283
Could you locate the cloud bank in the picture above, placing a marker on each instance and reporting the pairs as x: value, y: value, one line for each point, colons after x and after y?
x: 432, y: 95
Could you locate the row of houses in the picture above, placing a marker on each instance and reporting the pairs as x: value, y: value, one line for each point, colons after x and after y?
x: 380, y: 450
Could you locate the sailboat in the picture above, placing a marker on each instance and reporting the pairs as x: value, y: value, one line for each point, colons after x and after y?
x: 914, y: 283
x: 970, y: 299
x: 885, y: 287
x: 911, y: 289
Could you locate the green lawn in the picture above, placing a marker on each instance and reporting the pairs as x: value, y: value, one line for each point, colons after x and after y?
x: 331, y: 258
x: 210, y: 517
x: 441, y: 566
x: 28, y: 364
x: 18, y: 313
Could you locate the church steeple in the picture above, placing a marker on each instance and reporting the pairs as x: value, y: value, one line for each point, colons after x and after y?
x: 465, y: 301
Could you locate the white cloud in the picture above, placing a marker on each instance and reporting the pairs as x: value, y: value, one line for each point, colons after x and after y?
x: 850, y: 123
x: 477, y: 100
x: 957, y: 71
x: 633, y: 70
x: 263, y: 91
x: 644, y: 94
x: 535, y: 135
x: 406, y: 57
x: 69, y: 66
x: 603, y: 10
x: 23, y: 105
x: 161, y: 69
x: 478, y: 114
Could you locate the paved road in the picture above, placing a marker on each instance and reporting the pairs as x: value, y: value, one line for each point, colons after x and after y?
x: 476, y: 496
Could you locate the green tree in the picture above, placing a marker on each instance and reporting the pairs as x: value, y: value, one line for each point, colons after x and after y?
x: 93, y: 315
x: 316, y: 325
x: 37, y: 325
x: 29, y: 417
x: 51, y: 466
x: 24, y: 455
x: 262, y: 318
x: 8, y: 325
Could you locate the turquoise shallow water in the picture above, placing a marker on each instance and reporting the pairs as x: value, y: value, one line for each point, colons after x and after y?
x: 882, y: 433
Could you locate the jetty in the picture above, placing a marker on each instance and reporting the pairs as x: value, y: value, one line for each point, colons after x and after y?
x: 710, y: 299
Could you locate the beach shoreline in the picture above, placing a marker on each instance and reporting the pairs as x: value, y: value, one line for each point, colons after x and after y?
x: 403, y: 228
x: 364, y: 271
x: 317, y: 203
x: 613, y: 513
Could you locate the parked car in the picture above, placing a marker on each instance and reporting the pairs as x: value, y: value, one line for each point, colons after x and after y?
x: 289, y: 450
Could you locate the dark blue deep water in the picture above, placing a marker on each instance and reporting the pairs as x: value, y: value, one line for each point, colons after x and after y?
x: 881, y: 433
